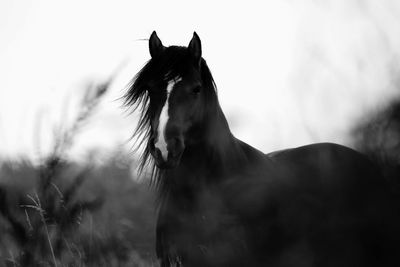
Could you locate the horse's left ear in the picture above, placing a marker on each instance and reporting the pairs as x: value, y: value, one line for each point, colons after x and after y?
x: 195, y: 47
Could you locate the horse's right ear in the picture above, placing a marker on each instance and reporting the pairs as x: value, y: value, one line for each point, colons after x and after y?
x: 155, y: 45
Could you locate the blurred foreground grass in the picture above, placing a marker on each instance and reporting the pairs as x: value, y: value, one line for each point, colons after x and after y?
x: 65, y: 213
x: 86, y: 216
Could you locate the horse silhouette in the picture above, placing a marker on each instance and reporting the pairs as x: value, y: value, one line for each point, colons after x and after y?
x: 225, y: 203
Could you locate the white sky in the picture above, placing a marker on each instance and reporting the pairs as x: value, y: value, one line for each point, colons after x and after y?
x: 288, y: 73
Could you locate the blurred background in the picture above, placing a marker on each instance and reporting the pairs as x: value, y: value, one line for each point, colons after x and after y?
x: 288, y: 73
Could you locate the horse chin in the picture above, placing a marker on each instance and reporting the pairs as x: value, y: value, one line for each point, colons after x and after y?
x: 171, y: 163
x: 165, y: 165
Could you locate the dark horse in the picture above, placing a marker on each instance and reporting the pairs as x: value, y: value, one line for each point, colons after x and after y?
x: 225, y: 203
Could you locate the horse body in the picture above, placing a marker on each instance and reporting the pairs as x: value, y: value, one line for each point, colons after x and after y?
x: 225, y: 203
x: 316, y: 205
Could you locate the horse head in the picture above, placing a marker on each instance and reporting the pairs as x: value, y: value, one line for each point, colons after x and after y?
x: 176, y: 99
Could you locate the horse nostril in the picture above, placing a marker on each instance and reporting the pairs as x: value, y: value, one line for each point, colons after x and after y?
x: 179, y: 142
x: 176, y: 145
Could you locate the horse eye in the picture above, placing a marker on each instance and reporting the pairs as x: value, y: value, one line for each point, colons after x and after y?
x: 196, y: 90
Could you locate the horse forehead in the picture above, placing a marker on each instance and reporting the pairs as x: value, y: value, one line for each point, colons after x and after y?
x: 171, y: 84
x: 169, y: 77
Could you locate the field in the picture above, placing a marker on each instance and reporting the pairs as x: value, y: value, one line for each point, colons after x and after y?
x: 71, y: 215
x: 59, y: 212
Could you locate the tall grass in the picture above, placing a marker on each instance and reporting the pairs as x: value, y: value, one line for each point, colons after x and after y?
x: 50, y: 216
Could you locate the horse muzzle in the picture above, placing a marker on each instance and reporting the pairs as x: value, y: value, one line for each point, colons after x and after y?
x: 168, y: 155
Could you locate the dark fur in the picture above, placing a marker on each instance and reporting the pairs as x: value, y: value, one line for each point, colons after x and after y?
x: 228, y: 204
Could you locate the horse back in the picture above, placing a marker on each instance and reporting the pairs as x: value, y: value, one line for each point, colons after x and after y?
x: 331, y: 207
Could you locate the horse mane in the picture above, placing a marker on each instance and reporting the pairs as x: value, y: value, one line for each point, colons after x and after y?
x: 172, y: 63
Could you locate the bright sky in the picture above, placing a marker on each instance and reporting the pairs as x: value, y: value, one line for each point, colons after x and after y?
x: 288, y: 73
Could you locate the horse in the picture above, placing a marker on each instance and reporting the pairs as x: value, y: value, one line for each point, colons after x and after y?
x: 222, y: 202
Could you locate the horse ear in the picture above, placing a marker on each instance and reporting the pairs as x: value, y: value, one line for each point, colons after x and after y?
x: 155, y: 45
x: 195, y: 47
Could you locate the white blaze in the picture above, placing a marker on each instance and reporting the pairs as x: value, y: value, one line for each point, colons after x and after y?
x: 161, y: 143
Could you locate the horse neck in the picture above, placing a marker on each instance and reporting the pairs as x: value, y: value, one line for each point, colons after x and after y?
x: 216, y: 153
x: 217, y: 159
x: 221, y: 146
